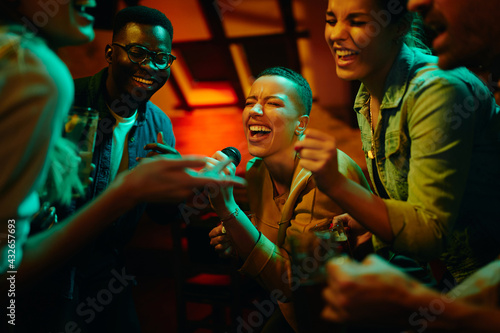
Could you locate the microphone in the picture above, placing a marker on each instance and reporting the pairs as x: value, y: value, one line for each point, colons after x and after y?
x: 233, y: 154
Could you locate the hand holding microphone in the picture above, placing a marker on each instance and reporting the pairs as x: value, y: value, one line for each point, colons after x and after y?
x: 233, y: 154
x: 224, y: 198
x: 220, y: 162
x: 224, y: 163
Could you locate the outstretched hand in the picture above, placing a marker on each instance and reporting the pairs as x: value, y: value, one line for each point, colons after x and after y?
x: 163, y: 178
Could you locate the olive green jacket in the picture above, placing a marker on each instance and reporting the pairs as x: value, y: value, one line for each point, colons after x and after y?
x: 437, y: 147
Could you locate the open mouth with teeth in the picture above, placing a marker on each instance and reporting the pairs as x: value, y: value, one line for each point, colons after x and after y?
x: 146, y: 82
x: 259, y: 131
x: 345, y: 54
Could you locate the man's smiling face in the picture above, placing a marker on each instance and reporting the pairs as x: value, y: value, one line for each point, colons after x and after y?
x: 140, y: 81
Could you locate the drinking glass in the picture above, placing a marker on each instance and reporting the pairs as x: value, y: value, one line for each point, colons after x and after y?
x: 310, y: 251
x: 80, y: 128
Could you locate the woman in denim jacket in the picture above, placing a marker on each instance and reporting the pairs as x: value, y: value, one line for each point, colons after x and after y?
x: 430, y: 139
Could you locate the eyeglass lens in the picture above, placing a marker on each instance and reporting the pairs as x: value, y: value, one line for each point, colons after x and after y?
x: 139, y: 55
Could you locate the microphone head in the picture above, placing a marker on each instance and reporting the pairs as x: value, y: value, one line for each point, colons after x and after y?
x: 233, y: 154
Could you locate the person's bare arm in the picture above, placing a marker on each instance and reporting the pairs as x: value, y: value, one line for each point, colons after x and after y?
x: 154, y: 180
x: 318, y: 153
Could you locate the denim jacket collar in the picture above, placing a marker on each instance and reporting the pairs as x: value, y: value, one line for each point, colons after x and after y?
x: 395, y: 84
x: 98, y: 83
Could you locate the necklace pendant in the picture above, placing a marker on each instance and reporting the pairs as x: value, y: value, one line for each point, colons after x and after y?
x: 370, y: 154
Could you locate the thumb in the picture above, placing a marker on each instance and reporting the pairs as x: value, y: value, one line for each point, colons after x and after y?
x: 159, y: 138
x: 342, y: 218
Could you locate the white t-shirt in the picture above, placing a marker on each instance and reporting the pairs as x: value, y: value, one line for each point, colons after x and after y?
x: 120, y: 139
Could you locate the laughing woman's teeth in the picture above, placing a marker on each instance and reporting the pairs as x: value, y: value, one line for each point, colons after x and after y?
x: 256, y: 128
x: 345, y: 53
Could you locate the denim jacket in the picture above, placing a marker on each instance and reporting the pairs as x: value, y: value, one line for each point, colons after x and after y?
x: 437, y: 155
x: 90, y: 92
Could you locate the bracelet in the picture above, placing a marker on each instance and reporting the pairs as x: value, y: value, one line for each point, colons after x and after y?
x: 227, y: 217
x: 230, y: 215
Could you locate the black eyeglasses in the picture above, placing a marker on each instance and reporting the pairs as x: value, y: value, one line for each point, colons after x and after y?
x: 138, y: 54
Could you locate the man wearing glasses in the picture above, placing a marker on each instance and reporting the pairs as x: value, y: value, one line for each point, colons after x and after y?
x: 130, y: 127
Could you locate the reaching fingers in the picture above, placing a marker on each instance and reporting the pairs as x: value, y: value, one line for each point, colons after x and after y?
x: 223, y: 163
x: 159, y: 148
x: 170, y: 177
x: 223, y: 181
x: 169, y: 162
x: 220, y: 163
x: 222, y: 166
x: 211, y: 163
x: 219, y: 156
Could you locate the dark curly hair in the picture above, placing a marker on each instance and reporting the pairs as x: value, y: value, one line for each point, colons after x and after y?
x: 398, y: 12
x: 141, y: 15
